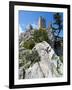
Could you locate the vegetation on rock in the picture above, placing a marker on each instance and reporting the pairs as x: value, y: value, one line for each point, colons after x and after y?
x: 61, y: 58
x: 40, y: 35
x: 28, y: 55
x: 29, y: 44
x: 28, y: 58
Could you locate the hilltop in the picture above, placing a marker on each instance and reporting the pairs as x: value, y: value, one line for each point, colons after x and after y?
x: 40, y: 52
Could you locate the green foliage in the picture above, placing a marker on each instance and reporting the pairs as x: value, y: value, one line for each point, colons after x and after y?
x: 40, y: 35
x: 58, y: 22
x: 29, y: 44
x: 57, y: 18
x: 29, y: 58
x: 21, y: 64
x: 22, y: 57
x: 61, y: 58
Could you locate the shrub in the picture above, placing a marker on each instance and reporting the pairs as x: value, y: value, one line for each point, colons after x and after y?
x: 29, y: 44
x: 40, y: 35
x: 29, y: 58
x: 61, y: 58
x: 22, y: 57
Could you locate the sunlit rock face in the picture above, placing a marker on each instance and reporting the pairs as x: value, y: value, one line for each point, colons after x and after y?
x: 25, y: 35
x: 49, y: 64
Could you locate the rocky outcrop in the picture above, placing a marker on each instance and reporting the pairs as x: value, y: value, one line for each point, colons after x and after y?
x: 25, y: 36
x: 48, y: 66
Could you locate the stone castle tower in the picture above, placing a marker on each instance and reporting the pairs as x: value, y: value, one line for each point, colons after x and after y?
x: 42, y: 22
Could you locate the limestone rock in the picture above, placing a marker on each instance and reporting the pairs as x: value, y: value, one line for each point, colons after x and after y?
x: 49, y: 65
x: 25, y: 35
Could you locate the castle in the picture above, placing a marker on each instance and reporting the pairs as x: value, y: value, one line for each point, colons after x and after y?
x: 42, y: 22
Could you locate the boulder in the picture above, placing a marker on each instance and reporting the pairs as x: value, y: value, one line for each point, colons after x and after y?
x: 49, y: 66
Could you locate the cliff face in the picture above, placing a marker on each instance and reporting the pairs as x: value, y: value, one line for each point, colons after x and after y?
x: 48, y: 65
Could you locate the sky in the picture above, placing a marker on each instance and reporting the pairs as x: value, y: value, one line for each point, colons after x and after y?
x: 32, y: 17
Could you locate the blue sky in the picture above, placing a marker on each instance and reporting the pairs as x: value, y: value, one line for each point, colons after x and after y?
x: 31, y: 17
